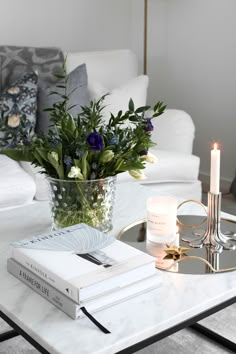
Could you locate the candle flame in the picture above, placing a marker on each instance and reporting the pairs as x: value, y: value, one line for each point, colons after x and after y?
x: 215, y: 146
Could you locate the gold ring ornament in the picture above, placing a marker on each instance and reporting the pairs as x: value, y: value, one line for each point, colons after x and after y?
x: 196, y: 225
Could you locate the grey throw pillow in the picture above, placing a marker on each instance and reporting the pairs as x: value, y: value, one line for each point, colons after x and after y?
x: 77, y: 84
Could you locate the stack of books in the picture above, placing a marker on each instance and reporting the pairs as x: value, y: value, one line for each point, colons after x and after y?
x: 78, y: 267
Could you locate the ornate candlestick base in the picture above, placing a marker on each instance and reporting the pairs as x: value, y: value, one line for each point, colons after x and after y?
x: 213, y: 237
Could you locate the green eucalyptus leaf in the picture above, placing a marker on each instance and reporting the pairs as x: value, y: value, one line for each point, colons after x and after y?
x: 142, y: 109
x: 54, y: 93
x: 59, y: 76
x: 43, y: 152
x: 38, y: 158
x: 70, y: 124
x: 133, y: 119
x: 70, y: 107
x: 61, y: 86
x: 131, y: 105
x: 18, y: 154
x: 48, y: 109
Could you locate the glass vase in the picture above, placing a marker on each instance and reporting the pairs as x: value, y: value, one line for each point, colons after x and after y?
x: 90, y: 202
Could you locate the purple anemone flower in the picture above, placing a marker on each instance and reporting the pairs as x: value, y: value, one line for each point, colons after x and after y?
x: 148, y: 127
x: 95, y: 141
x: 143, y: 152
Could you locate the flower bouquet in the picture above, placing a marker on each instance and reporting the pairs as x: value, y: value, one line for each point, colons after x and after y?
x: 82, y: 156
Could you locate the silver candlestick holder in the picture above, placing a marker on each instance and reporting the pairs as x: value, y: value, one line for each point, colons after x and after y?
x: 213, y: 237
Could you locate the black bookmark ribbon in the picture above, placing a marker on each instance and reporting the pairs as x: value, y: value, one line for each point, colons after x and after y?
x: 98, y: 324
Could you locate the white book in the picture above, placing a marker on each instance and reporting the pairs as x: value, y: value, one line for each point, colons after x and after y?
x: 101, y: 271
x: 70, y: 307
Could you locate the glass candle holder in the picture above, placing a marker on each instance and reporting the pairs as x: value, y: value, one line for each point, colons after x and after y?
x: 161, y: 219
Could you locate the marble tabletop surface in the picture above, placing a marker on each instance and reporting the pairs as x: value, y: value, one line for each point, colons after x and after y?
x: 180, y: 297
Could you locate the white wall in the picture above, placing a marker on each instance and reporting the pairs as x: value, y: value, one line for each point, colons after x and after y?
x: 73, y: 25
x: 191, y: 52
x: 195, y: 70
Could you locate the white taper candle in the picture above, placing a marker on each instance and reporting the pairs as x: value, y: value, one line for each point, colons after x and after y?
x: 215, y: 170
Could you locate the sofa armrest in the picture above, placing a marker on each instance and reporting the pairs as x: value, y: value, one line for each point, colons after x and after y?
x: 42, y: 188
x: 174, y: 131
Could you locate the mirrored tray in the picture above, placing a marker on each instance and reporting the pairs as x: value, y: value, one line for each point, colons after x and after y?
x: 195, y: 261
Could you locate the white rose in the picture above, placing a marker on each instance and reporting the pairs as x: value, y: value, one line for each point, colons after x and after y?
x: 75, y: 172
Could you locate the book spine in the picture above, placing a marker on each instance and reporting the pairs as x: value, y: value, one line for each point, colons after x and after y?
x: 44, y: 289
x: 60, y: 284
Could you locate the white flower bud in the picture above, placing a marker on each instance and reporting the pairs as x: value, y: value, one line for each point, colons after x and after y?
x: 54, y: 155
x: 107, y: 156
x: 137, y: 174
x: 150, y: 158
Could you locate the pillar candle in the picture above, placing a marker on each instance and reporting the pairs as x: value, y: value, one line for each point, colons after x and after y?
x: 215, y: 170
x: 161, y: 219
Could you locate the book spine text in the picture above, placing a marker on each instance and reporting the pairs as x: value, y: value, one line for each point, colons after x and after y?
x: 42, y: 288
x: 62, y: 285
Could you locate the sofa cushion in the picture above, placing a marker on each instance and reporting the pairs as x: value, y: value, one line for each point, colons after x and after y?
x: 78, y: 96
x: 112, y: 68
x: 16, y: 186
x: 171, y: 167
x: 174, y: 130
x: 118, y: 98
x: 18, y: 106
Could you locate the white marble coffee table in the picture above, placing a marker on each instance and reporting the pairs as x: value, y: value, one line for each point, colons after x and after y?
x: 181, y: 301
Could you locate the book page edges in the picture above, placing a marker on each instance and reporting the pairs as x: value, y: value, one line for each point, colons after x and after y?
x: 115, y: 270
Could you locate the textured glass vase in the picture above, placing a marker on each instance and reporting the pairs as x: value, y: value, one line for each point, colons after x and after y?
x: 89, y: 202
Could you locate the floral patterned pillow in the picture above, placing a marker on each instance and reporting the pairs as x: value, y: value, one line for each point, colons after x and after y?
x: 18, y: 107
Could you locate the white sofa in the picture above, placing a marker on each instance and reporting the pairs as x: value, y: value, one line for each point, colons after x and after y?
x: 175, y: 173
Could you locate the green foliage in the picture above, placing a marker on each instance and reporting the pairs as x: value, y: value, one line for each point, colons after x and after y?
x: 85, y: 146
